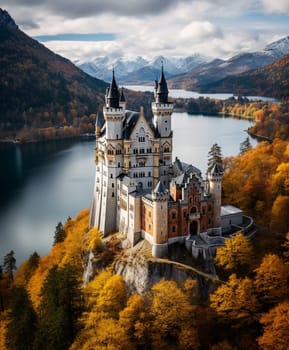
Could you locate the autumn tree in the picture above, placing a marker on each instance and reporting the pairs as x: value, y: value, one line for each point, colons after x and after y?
x: 112, y: 297
x: 280, y: 218
x: 276, y: 324
x: 235, y: 301
x: 10, y: 265
x: 23, y: 321
x: 271, y: 281
x: 236, y: 255
x: 133, y: 320
x: 172, y: 317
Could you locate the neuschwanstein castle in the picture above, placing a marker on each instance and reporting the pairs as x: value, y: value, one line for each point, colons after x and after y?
x: 139, y: 189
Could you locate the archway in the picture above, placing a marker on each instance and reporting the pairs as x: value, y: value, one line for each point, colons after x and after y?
x: 194, y: 228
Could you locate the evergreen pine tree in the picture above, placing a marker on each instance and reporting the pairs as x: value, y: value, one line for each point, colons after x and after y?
x: 59, y: 310
x: 59, y: 234
x: 245, y: 146
x: 21, y: 329
x: 10, y: 265
x: 215, y: 156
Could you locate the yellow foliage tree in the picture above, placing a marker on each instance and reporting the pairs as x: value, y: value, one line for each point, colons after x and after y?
x: 235, y: 301
x: 279, y: 217
x: 271, y: 281
x: 131, y: 317
x: 236, y: 254
x: 112, y: 297
x: 171, y: 313
x: 276, y: 324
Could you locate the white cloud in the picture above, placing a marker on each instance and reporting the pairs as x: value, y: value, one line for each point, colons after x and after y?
x: 218, y: 28
x: 276, y: 6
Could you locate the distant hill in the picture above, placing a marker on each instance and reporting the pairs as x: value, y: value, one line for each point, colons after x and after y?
x: 272, y: 80
x: 38, y: 87
x: 215, y: 70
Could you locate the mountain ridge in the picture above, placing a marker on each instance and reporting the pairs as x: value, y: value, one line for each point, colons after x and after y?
x: 35, y: 81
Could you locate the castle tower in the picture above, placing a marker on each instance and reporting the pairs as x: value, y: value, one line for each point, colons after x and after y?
x: 160, y: 197
x: 215, y: 178
x: 162, y: 111
x: 109, y: 159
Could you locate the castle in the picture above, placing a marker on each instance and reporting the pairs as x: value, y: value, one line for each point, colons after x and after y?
x: 138, y: 189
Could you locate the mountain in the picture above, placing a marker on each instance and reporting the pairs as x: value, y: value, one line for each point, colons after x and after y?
x: 39, y: 88
x: 271, y: 80
x: 219, y: 69
x: 138, y: 70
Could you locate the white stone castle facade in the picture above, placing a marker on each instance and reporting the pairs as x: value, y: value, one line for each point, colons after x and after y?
x: 138, y: 189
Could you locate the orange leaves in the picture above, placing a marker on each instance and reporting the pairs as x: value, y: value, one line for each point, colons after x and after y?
x: 236, y: 254
x: 276, y: 325
x: 271, y: 279
x: 235, y: 301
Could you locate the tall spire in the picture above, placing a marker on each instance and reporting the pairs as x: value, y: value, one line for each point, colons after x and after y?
x: 162, y: 88
x: 113, y: 93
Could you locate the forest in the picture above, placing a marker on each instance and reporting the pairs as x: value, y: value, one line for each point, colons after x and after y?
x: 247, y: 309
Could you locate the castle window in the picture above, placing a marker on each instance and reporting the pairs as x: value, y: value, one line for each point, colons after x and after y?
x: 112, y: 185
x: 118, y: 164
x: 166, y: 121
x: 112, y: 194
x: 184, y: 214
x: 150, y: 227
x: 117, y: 136
x: 110, y: 151
x: 209, y: 221
x: 129, y: 163
x: 174, y: 229
x: 166, y: 149
x: 149, y: 173
x: 141, y: 139
x: 111, y: 176
x: 174, y: 215
x: 150, y: 214
x: 209, y: 207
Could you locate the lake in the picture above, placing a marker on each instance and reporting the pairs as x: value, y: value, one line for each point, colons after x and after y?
x: 180, y: 93
x: 42, y: 184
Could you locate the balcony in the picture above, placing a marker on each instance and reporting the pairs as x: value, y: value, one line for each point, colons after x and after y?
x: 194, y: 216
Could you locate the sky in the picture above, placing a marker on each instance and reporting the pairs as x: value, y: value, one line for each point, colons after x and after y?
x: 85, y: 29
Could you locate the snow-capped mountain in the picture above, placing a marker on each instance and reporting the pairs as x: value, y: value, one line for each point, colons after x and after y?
x: 139, y: 69
x: 278, y: 48
x: 218, y: 69
x: 190, y: 71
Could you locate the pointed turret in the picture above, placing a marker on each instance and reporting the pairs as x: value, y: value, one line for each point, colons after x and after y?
x: 162, y: 91
x: 112, y: 96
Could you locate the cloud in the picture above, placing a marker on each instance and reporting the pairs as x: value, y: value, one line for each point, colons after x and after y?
x: 86, y: 8
x: 276, y: 6
x: 27, y: 24
x: 218, y: 28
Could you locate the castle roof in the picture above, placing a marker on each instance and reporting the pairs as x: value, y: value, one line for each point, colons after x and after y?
x: 159, y: 188
x: 162, y: 91
x: 113, y: 93
x: 217, y: 169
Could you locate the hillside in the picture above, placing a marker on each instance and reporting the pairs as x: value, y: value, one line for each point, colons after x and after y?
x: 272, y: 80
x: 209, y: 73
x: 39, y: 88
